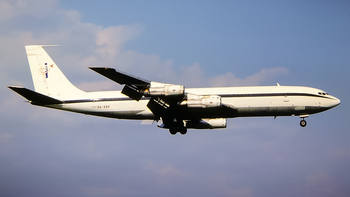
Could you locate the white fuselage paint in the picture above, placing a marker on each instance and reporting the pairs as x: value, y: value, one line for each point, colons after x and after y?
x: 246, y: 101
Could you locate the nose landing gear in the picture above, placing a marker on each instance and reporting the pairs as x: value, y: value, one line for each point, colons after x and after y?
x: 303, y: 122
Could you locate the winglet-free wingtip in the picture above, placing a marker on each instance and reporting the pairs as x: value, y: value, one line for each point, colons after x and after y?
x: 43, y: 45
x: 14, y: 87
x: 97, y: 68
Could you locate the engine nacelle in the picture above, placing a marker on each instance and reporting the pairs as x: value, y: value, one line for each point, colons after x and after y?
x: 200, y: 101
x: 217, y: 123
x: 164, y: 89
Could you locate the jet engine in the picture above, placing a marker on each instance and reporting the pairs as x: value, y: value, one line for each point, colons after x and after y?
x: 203, y: 101
x: 164, y: 89
x: 217, y: 123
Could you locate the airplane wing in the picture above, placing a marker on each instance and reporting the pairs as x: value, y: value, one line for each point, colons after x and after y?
x: 166, y: 101
x: 136, y: 87
x: 161, y: 95
x: 133, y: 85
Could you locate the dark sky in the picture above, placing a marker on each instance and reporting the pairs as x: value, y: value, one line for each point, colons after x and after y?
x: 45, y: 152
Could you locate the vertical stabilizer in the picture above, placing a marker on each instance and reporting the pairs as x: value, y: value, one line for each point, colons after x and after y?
x: 47, y: 77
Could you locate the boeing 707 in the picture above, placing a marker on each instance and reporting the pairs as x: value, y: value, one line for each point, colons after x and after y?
x: 174, y: 107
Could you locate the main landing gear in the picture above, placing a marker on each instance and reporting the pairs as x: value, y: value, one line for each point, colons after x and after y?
x: 177, y: 126
x: 174, y: 130
x: 174, y: 125
x: 303, y: 122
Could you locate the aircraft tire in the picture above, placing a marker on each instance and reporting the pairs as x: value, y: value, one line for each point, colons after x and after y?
x: 173, y: 131
x: 183, y: 130
x: 303, y: 123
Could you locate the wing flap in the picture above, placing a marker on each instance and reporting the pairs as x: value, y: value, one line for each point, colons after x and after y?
x: 132, y: 92
x: 34, y: 97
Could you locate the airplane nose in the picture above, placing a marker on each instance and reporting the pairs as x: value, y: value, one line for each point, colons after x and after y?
x: 330, y: 102
x: 336, y: 102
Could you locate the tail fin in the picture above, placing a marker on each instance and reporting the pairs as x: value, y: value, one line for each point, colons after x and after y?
x: 48, y: 79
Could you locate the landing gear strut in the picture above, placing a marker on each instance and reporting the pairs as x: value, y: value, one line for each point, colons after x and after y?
x: 303, y: 121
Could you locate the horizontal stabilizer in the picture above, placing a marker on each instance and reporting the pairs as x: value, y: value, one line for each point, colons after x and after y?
x: 34, y: 97
x: 120, y: 77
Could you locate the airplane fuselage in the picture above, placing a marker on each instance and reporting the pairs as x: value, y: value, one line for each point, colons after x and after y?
x: 239, y: 101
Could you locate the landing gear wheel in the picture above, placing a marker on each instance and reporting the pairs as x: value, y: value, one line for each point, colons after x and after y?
x: 173, y: 131
x: 183, y: 130
x: 303, y: 123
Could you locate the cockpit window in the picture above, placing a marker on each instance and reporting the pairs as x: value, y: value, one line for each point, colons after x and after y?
x: 322, y: 93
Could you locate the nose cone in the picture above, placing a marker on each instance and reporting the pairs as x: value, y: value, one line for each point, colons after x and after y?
x: 333, y: 102
x: 336, y: 102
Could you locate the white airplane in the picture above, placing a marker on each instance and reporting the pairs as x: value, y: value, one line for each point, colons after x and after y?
x: 172, y: 106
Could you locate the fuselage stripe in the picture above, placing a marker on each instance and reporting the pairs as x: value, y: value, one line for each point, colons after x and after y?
x: 222, y: 96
